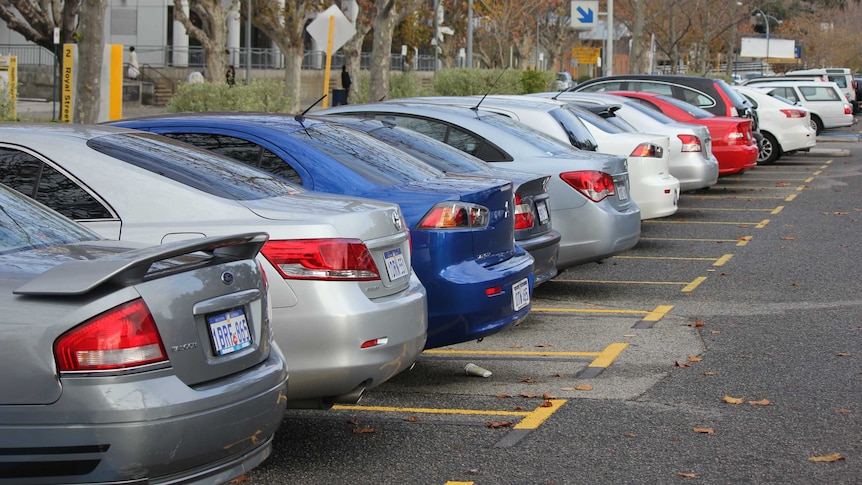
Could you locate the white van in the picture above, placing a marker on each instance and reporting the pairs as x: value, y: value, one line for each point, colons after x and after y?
x: 841, y: 76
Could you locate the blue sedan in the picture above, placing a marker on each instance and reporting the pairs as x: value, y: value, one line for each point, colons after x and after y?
x: 478, y: 280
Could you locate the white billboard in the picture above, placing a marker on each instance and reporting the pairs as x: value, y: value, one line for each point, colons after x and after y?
x: 761, y: 48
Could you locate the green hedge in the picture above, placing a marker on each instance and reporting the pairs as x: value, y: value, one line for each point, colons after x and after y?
x: 466, y: 82
x: 261, y: 95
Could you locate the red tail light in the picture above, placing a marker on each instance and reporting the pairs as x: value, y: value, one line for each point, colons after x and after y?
x: 594, y: 185
x: 123, y: 337
x: 321, y: 259
x: 455, y: 215
x: 690, y: 143
x: 523, y: 214
x: 647, y: 150
x: 793, y: 113
x: 848, y: 109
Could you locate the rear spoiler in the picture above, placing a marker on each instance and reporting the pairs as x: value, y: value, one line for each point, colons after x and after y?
x: 131, y: 267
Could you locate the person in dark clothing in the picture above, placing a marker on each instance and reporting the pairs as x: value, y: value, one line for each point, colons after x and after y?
x: 345, y: 82
x: 230, y: 76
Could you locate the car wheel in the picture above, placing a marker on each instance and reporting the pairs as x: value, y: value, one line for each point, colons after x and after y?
x: 769, y: 150
x: 816, y: 123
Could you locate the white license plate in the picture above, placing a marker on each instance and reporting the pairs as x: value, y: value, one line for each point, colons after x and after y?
x: 622, y: 192
x: 542, y: 207
x: 229, y: 331
x: 395, y: 265
x: 521, y: 294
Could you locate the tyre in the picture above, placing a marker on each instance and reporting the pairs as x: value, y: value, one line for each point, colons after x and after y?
x: 816, y: 123
x: 769, y: 150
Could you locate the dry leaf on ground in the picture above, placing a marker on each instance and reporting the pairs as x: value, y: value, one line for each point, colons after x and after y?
x: 503, y: 396
x: 681, y: 364
x: 693, y: 358
x: 704, y: 430
x: 528, y: 380
x: 546, y: 404
x: 826, y: 458
x: 412, y: 419
x: 364, y: 429
x: 733, y: 400
x: 710, y: 373
x: 762, y: 402
x: 687, y: 475
x: 527, y: 395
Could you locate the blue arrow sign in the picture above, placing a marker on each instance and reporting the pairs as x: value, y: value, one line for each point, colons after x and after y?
x: 586, y: 15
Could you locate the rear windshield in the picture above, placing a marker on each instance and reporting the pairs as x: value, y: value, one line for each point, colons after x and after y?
x: 819, y: 93
x: 689, y: 108
x: 595, y: 120
x: 652, y: 113
x: 536, y: 138
x: 197, y: 168
x: 373, y: 159
x: 435, y: 153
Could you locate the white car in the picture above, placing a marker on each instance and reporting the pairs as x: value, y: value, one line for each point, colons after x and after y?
x: 653, y: 188
x: 691, y: 159
x: 785, y: 127
x: 828, y: 106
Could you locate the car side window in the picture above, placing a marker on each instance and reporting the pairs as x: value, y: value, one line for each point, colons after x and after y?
x: 841, y: 81
x: 39, y: 180
x: 819, y: 94
x: 241, y: 150
x: 788, y: 93
x: 604, y: 86
x: 651, y: 87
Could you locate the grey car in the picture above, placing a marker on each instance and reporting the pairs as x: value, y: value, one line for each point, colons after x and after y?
x: 590, y: 199
x: 114, y: 354
x: 348, y: 310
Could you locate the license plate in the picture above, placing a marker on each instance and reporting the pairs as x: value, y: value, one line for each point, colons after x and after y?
x: 395, y: 265
x: 521, y: 294
x: 622, y: 192
x: 229, y: 331
x: 542, y: 207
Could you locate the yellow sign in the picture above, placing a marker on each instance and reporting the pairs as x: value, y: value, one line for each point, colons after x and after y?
x: 586, y: 55
x: 67, y: 70
x: 9, y: 82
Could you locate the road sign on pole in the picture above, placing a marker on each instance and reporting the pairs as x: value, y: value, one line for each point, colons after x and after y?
x: 334, y: 29
x: 584, y: 14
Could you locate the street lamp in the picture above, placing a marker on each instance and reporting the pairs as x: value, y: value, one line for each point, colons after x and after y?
x: 766, y: 18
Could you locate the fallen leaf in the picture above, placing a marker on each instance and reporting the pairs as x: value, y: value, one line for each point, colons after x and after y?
x: 518, y: 408
x: 543, y: 345
x: 546, y: 404
x: 528, y: 380
x: 843, y: 354
x: 746, y: 356
x: 692, y: 358
x: 795, y: 284
x: 840, y: 213
x: 710, y: 373
x: 704, y: 430
x: 498, y: 424
x: 503, y: 396
x: 687, y: 475
x: 826, y: 458
x: 517, y: 346
x: 412, y: 419
x: 696, y: 324
x: 559, y: 375
x: 353, y: 421
x: 629, y: 435
x: 584, y: 387
x: 762, y: 402
x: 547, y: 396
x: 843, y: 411
x: 681, y: 364
x: 529, y: 396
x: 239, y: 479
x: 733, y: 400
x: 715, y: 332
x: 364, y: 429
x: 788, y: 238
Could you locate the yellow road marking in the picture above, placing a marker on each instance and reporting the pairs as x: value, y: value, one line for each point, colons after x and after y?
x: 669, y: 258
x: 762, y: 224
x: 725, y: 209
x: 694, y: 284
x: 809, y: 180
x: 739, y: 242
x: 607, y: 356
x: 790, y: 197
x: 540, y: 415
x: 510, y: 352
x: 657, y: 314
x: 800, y: 188
x: 734, y: 196
x: 777, y: 210
x: 770, y: 179
x: 450, y: 482
x: 817, y: 172
x: 582, y: 310
x: 720, y: 261
x: 726, y: 223
x: 621, y: 282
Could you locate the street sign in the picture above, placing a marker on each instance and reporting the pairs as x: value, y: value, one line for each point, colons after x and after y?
x: 584, y: 15
x: 586, y: 55
x: 342, y: 29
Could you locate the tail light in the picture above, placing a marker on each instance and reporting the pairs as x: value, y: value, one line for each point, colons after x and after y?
x: 523, y: 214
x: 690, y: 143
x: 123, y: 337
x: 847, y: 109
x: 647, y: 150
x: 321, y: 259
x: 455, y: 215
x: 793, y: 113
x: 594, y: 185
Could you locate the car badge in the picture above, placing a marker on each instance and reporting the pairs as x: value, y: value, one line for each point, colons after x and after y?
x: 396, y: 219
x: 506, y: 216
x: 227, y: 278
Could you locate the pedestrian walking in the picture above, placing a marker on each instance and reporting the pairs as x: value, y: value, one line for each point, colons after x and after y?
x: 230, y: 76
x: 134, y: 69
x: 345, y: 82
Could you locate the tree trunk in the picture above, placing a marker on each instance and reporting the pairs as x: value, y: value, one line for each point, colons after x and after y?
x: 293, y: 76
x: 639, y: 60
x: 90, y: 53
x: 381, y: 53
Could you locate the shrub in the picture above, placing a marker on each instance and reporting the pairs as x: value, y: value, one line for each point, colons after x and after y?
x: 466, y: 82
x: 260, y: 95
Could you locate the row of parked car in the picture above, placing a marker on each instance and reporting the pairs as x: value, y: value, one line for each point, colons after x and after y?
x: 299, y: 261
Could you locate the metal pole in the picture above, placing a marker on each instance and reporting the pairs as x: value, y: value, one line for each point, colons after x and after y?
x: 470, y: 34
x: 537, y: 41
x: 609, y: 60
x: 248, y: 42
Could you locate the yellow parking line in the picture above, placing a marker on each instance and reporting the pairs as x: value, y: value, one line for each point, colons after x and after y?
x: 801, y: 188
x: 607, y: 356
x: 621, y: 282
x: 694, y: 284
x: 809, y: 180
x: 720, y: 261
x: 510, y: 352
x: 790, y: 197
x: 735, y: 196
x: 392, y: 409
x: 540, y: 415
x: 730, y: 209
x: 726, y: 223
x: 777, y: 210
x: 657, y: 314
x: 668, y: 258
x: 770, y: 179
x: 739, y: 242
x: 762, y: 224
x: 450, y: 482
x: 582, y: 310
x: 743, y: 240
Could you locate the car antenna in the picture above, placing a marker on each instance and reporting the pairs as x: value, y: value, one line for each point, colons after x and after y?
x: 301, y: 116
x: 476, y: 108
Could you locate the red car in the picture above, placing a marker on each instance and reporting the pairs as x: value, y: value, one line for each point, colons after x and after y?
x: 733, y: 141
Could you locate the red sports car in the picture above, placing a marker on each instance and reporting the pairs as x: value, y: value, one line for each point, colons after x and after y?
x: 733, y: 142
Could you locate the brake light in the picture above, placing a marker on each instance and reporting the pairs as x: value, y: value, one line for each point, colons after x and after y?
x: 647, y: 150
x: 455, y: 215
x: 690, y: 143
x: 847, y: 109
x: 523, y: 214
x: 321, y: 259
x: 594, y: 185
x: 123, y: 337
x: 263, y: 275
x: 793, y: 113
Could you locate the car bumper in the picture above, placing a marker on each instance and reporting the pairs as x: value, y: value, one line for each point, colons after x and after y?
x: 735, y: 159
x: 322, y: 338
x: 593, y: 232
x: 545, y: 250
x: 146, y: 428
x: 694, y: 171
x: 656, y: 196
x: 796, y: 138
x: 459, y: 310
